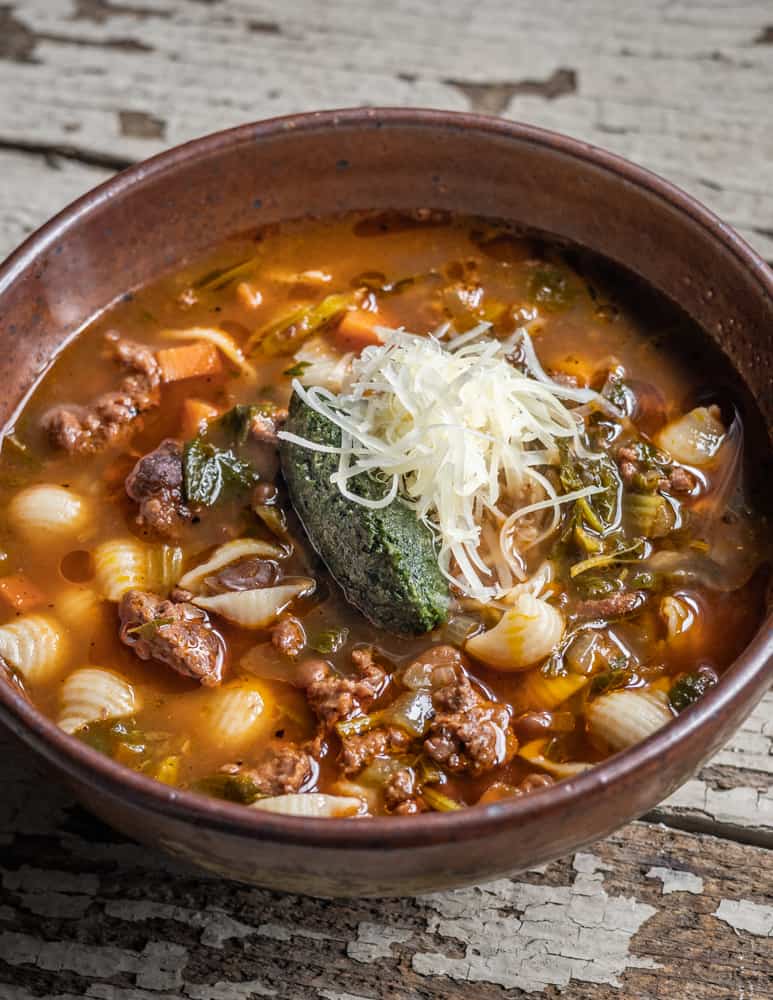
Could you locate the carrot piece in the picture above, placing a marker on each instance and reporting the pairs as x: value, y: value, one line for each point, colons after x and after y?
x: 356, y: 330
x: 188, y: 361
x: 20, y: 594
x: 196, y: 414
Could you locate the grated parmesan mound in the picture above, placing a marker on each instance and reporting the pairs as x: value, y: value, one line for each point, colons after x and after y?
x: 463, y: 437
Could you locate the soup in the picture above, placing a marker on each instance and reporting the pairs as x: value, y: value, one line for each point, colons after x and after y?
x: 377, y: 514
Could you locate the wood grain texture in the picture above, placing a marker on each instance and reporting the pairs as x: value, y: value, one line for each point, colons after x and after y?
x: 85, y: 913
x: 685, y: 88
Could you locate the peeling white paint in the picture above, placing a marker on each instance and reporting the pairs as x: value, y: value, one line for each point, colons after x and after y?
x: 742, y: 806
x: 375, y: 941
x: 217, y: 926
x: 676, y: 881
x: 157, y: 967
x: 335, y: 995
x: 560, y: 933
x: 745, y: 915
x: 229, y: 991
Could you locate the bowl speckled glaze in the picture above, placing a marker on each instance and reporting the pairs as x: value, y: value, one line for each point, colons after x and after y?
x: 178, y: 204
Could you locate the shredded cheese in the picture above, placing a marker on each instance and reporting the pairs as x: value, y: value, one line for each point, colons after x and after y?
x: 459, y: 434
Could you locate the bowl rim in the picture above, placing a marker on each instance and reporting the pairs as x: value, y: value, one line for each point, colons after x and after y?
x: 88, y: 766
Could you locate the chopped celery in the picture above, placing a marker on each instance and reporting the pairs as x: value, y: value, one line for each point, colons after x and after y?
x: 607, y: 558
x: 232, y: 787
x: 589, y: 515
x: 358, y: 725
x: 286, y: 335
x: 168, y: 771
x: 648, y: 514
x: 585, y: 541
x: 411, y: 711
x: 222, y: 276
x: 438, y: 801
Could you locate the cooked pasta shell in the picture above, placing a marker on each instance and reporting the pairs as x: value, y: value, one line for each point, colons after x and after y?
x: 543, y: 693
x: 35, y: 646
x: 694, y: 438
x: 123, y: 564
x: 525, y: 634
x: 236, y: 713
x: 224, y: 555
x: 534, y: 753
x: 255, y: 608
x: 535, y: 585
x: 77, y: 606
x: 92, y: 694
x: 622, y: 718
x: 311, y: 805
x: 44, y: 510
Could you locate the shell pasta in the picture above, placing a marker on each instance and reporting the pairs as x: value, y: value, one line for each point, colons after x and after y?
x: 379, y: 515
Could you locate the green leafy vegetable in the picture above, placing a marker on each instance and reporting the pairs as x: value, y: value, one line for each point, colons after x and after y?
x: 209, y: 472
x: 329, y: 641
x: 688, y: 689
x: 232, y: 787
x: 148, y: 629
x: 238, y: 420
x: 297, y: 369
x: 550, y: 286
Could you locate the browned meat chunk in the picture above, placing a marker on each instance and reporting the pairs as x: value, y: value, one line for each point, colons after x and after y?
x: 250, y: 573
x: 680, y: 480
x: 614, y: 606
x: 358, y: 751
x: 179, y: 635
x: 113, y: 415
x: 288, y: 636
x: 468, y: 733
x: 400, y: 793
x: 265, y: 425
x: 284, y: 769
x: 333, y: 697
x: 156, y: 484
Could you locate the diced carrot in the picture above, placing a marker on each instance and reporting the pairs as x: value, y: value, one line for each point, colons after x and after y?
x: 20, y: 594
x: 196, y: 414
x: 188, y: 361
x: 356, y: 330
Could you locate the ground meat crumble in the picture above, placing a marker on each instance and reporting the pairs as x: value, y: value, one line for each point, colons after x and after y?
x: 156, y: 484
x: 113, y: 415
x: 283, y: 770
x: 468, y: 733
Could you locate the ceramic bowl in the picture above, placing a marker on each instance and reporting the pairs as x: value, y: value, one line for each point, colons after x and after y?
x: 150, y: 218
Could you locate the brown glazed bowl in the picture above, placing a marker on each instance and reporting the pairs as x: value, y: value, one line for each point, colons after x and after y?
x: 176, y: 205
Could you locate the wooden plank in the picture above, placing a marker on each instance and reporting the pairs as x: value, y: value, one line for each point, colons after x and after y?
x: 84, y: 913
x: 35, y: 187
x: 684, y: 88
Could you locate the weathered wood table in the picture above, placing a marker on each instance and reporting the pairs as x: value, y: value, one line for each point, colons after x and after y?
x: 678, y: 905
